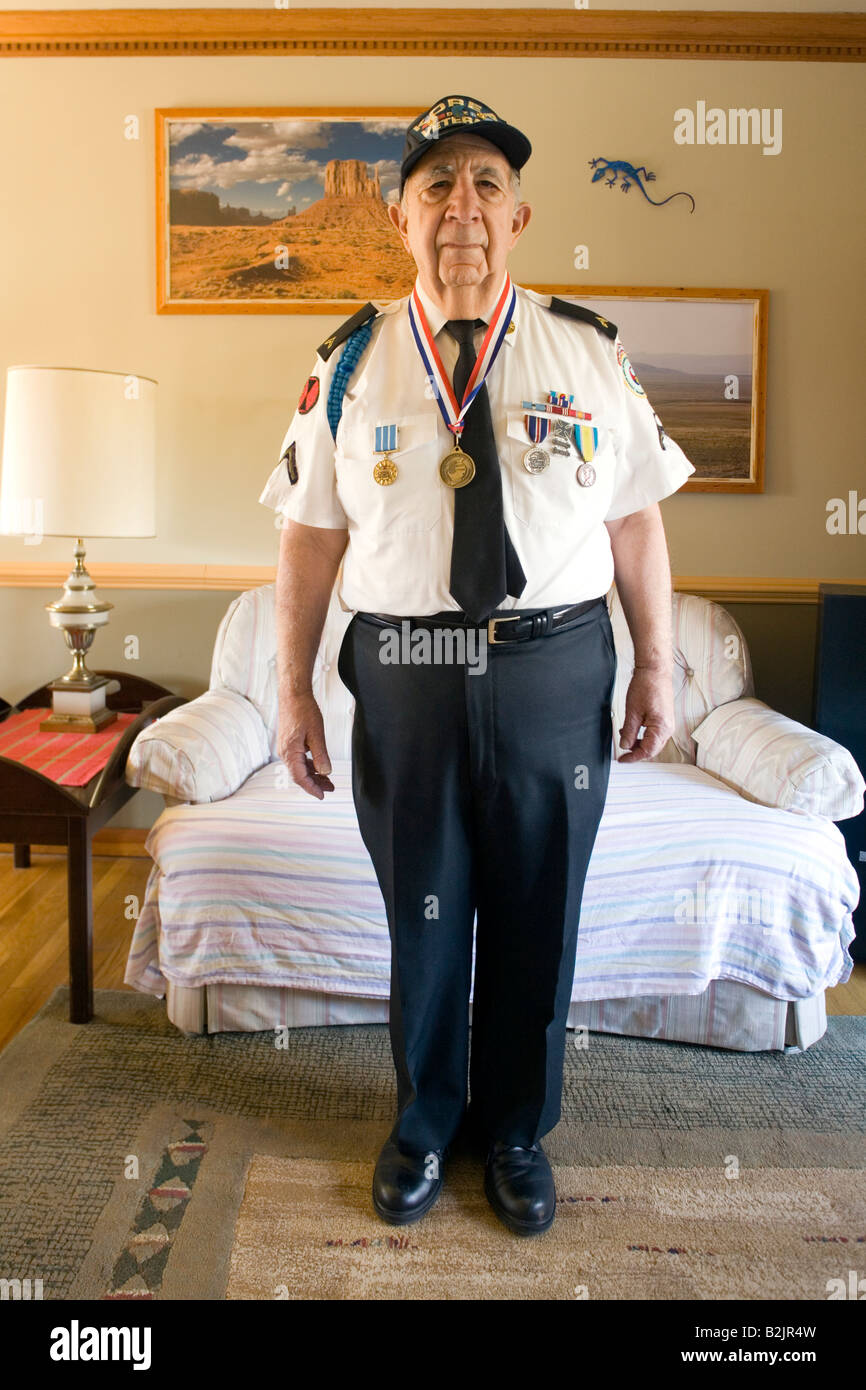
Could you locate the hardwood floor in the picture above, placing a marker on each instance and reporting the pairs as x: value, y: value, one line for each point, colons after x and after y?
x: 33, y: 942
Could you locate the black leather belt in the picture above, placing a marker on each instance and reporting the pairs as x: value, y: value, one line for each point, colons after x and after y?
x: 507, y: 627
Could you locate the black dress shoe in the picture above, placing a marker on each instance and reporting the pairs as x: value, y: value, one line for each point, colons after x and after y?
x: 518, y: 1184
x: 405, y: 1186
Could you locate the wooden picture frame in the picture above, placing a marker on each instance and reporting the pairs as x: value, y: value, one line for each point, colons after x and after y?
x: 662, y: 338
x: 327, y: 255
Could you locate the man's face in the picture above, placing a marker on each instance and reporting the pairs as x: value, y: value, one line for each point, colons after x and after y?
x: 460, y: 219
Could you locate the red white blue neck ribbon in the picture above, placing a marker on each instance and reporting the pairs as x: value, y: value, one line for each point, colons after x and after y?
x: 453, y: 410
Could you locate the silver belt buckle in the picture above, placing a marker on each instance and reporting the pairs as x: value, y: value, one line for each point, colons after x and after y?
x: 491, y: 628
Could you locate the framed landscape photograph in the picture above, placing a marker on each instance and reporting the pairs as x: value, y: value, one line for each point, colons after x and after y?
x: 264, y: 210
x: 701, y: 357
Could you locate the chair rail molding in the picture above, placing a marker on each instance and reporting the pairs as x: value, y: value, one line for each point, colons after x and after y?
x: 235, y: 578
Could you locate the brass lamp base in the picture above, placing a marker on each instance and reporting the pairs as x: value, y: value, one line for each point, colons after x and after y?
x: 78, y: 698
x: 78, y: 706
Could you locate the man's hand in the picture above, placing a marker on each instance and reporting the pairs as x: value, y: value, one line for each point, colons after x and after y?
x: 302, y: 730
x: 308, y: 563
x: 643, y: 582
x: 649, y: 701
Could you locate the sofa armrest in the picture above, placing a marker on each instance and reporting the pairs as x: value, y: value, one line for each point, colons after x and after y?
x: 774, y: 760
x: 202, y: 751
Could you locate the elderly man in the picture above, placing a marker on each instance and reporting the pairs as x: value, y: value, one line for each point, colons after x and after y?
x: 478, y: 456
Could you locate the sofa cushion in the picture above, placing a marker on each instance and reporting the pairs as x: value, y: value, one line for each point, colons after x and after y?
x: 772, y: 759
x: 201, y: 751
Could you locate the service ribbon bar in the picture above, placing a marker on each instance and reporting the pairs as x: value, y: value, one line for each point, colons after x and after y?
x: 545, y: 408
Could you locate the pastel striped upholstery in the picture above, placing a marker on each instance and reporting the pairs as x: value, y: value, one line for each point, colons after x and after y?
x: 235, y: 721
x: 687, y: 883
x: 201, y: 751
x: 772, y: 759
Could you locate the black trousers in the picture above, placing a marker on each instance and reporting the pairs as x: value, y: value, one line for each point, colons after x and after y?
x: 481, y: 793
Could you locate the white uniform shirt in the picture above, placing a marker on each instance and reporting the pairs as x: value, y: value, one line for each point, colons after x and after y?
x: 398, y: 558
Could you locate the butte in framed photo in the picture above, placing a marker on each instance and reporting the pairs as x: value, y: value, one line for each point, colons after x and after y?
x: 266, y: 210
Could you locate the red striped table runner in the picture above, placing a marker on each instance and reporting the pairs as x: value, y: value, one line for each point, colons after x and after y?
x: 70, y: 759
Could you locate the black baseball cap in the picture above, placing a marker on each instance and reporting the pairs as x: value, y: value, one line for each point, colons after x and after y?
x: 453, y: 116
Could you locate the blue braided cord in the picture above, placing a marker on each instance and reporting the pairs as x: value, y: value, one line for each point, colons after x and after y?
x: 349, y: 358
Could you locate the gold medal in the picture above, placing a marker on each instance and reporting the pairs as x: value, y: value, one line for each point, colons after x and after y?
x: 457, y: 468
x: 385, y: 471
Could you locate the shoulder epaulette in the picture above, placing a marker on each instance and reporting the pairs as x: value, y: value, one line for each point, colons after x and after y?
x: 369, y: 311
x: 580, y: 311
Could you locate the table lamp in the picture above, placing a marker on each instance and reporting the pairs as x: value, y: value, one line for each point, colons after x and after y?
x: 79, y: 451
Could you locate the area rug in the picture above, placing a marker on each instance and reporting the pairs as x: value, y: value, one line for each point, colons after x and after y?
x: 139, y: 1164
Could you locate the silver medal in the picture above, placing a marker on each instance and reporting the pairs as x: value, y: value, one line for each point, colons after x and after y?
x: 536, y: 459
x: 586, y: 475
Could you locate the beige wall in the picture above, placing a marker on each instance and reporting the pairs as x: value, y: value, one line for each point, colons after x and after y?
x: 77, y: 257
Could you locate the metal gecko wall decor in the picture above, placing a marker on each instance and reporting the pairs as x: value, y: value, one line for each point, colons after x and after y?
x: 628, y: 174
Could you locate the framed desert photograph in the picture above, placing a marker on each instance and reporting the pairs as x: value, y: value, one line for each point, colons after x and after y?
x: 265, y: 210
x: 700, y: 355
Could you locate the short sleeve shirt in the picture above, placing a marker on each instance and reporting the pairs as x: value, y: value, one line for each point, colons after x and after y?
x: 398, y: 556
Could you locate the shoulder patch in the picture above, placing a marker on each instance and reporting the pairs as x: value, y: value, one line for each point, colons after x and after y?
x: 291, y: 461
x: 309, y: 395
x: 580, y: 311
x: 369, y: 311
x: 629, y: 375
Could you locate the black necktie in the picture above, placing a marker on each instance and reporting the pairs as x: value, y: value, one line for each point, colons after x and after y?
x: 484, y: 563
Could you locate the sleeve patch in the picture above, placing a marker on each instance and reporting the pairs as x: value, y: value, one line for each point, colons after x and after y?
x: 309, y: 395
x: 290, y: 457
x: 628, y: 372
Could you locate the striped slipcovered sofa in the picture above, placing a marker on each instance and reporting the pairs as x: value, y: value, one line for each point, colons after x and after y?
x: 717, y: 907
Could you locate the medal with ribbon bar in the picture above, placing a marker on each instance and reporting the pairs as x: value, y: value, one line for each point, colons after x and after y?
x: 385, y: 471
x: 586, y: 443
x: 457, y: 468
x: 536, y: 459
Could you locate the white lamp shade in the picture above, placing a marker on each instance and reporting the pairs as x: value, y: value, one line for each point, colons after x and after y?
x: 79, y: 453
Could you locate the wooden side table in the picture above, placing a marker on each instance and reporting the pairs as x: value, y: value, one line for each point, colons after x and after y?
x: 36, y: 811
